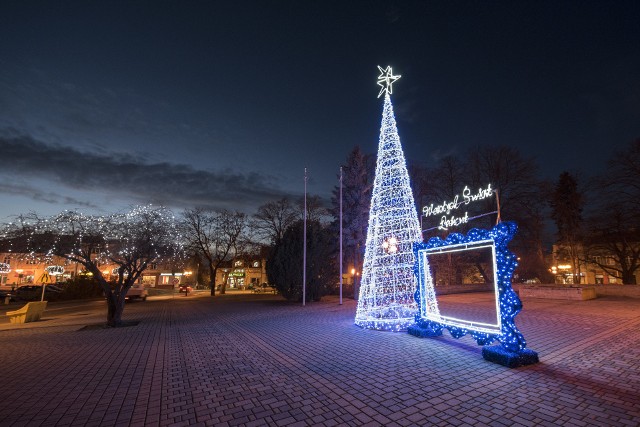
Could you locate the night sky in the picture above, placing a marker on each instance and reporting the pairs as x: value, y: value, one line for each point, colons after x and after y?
x: 104, y: 104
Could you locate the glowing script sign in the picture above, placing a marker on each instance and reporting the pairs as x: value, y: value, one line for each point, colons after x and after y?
x: 447, y: 210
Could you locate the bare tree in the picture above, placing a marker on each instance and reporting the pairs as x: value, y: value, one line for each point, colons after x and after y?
x: 613, y: 242
x: 131, y: 241
x: 273, y: 219
x: 613, y: 226
x: 622, y: 178
x: 436, y: 185
x: 567, y: 203
x: 215, y: 236
x: 316, y: 211
x: 440, y: 183
x: 521, y: 199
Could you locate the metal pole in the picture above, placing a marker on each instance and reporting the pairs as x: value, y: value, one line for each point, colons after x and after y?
x: 304, y: 238
x: 340, y: 235
x: 498, y: 219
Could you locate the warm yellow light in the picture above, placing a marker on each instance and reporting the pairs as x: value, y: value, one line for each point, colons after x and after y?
x: 188, y: 273
x: 353, y: 271
x: 105, y: 272
x: 564, y: 267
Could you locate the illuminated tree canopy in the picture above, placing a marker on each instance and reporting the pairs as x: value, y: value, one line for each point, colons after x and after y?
x: 131, y: 240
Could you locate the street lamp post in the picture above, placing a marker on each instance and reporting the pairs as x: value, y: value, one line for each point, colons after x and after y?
x: 304, y: 238
x: 353, y: 282
x: 340, y: 235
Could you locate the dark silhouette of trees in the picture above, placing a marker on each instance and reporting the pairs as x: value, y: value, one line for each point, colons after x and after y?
x: 273, y: 218
x: 622, y: 179
x: 440, y: 183
x: 357, y: 182
x: 521, y: 194
x: 613, y: 227
x: 284, y: 266
x: 436, y: 185
x: 215, y: 236
x: 613, y: 243
x: 316, y: 210
x: 522, y: 199
x: 567, y: 204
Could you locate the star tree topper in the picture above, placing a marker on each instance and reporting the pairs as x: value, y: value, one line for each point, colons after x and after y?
x: 386, y: 79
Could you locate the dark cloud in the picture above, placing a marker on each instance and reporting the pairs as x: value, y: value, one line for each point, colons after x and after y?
x: 42, y: 196
x: 125, y: 177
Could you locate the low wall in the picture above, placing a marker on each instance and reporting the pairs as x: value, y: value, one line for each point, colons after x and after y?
x: 557, y: 292
x: 629, y: 291
x: 460, y: 289
x: 576, y: 292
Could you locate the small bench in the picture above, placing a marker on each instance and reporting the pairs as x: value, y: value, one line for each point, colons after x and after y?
x: 29, y: 313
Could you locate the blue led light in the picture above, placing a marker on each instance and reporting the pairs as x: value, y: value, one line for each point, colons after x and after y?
x: 510, y: 338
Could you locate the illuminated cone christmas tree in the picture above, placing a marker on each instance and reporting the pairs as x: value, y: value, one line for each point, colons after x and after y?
x: 388, y: 282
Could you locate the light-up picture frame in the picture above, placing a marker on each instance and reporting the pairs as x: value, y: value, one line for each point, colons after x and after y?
x: 431, y: 321
x: 436, y: 260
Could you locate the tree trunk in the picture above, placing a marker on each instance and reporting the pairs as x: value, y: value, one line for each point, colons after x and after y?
x: 212, y: 280
x: 115, y: 307
x: 223, y: 285
x: 628, y: 278
x: 483, y: 273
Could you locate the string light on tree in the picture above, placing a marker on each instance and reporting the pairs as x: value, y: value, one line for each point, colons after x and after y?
x: 390, y: 245
x: 131, y: 241
x: 388, y: 283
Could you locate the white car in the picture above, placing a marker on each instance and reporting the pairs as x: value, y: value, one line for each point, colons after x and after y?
x: 137, y: 291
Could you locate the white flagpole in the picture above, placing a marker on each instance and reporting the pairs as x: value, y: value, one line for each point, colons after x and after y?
x: 304, y: 238
x: 340, y: 235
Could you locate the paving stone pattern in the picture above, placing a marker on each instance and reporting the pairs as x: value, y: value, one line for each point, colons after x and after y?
x: 253, y: 360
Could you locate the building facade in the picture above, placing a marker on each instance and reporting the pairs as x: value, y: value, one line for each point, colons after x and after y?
x: 24, y: 269
x: 589, y: 268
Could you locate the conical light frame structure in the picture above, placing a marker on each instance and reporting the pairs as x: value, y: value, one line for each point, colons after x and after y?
x: 388, y: 281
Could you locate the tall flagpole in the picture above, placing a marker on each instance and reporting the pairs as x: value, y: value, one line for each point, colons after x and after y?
x: 340, y: 235
x: 304, y: 238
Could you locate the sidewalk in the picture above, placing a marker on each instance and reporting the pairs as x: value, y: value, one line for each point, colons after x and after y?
x: 245, y: 359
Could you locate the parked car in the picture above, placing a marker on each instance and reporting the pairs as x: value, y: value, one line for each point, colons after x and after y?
x: 6, y: 293
x: 34, y: 292
x: 137, y: 291
x: 54, y: 288
x: 185, y: 288
x: 264, y: 288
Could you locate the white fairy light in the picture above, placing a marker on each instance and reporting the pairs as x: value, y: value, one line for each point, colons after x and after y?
x: 388, y: 281
x: 385, y: 80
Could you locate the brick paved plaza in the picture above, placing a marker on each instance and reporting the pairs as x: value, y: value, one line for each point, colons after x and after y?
x: 257, y: 360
